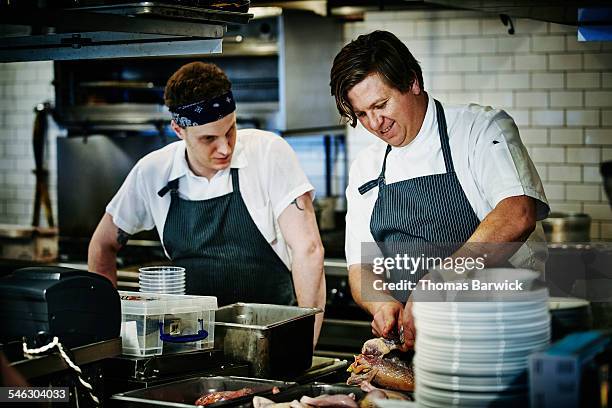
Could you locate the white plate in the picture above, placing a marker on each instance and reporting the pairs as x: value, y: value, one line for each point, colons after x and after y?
x: 477, y: 334
x: 472, y: 384
x: 469, y: 296
x: 497, y: 326
x: 441, y: 398
x: 479, y: 307
x: 460, y: 368
x: 468, y: 397
x: 479, y: 353
x: 425, y: 339
x: 555, y: 303
x: 487, y: 336
x: 506, y: 345
x: 492, y: 314
x: 483, y: 329
x: 513, y: 364
x: 481, y: 384
x: 461, y: 316
x: 473, y: 358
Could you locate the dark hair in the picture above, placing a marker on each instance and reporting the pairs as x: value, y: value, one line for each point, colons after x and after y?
x: 378, y: 52
x: 193, y: 82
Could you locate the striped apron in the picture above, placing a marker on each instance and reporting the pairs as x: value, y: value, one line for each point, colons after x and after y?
x: 222, y: 250
x: 423, y: 216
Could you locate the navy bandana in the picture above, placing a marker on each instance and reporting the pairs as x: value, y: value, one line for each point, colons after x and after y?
x: 203, y: 112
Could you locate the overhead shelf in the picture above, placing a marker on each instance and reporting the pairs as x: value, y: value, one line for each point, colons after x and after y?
x: 126, y: 30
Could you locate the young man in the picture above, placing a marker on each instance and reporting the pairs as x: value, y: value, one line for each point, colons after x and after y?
x: 438, y: 174
x: 233, y: 207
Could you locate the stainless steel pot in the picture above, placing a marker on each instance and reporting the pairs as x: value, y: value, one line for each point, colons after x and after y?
x: 573, y: 227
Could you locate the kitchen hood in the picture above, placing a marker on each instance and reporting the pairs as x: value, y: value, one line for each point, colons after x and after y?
x: 88, y: 29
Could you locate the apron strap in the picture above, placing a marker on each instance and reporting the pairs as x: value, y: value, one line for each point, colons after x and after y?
x: 172, y: 186
x: 379, y: 180
x: 448, y: 161
x: 443, y: 132
x: 235, y: 182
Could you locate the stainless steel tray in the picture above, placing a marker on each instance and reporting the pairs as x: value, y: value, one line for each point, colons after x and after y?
x: 184, y: 393
x: 276, y: 340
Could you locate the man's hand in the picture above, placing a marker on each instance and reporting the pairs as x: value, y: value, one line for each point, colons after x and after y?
x: 387, y: 319
x: 386, y: 311
x: 408, y: 324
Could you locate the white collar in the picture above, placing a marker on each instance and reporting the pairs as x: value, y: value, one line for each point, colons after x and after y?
x: 180, y: 167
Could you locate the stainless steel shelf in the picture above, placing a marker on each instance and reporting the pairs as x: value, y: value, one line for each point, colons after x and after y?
x: 128, y: 30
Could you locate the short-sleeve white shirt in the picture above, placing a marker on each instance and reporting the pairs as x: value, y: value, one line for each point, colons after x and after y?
x: 490, y: 161
x: 270, y: 179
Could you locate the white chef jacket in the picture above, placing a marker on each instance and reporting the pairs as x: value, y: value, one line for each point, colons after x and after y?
x: 490, y: 161
x: 270, y: 179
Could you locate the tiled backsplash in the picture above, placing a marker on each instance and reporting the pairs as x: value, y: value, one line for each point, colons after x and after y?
x: 22, y: 86
x: 558, y: 90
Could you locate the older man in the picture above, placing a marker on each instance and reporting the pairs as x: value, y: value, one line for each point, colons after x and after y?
x: 438, y: 174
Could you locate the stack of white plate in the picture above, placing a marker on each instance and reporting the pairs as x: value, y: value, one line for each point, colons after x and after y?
x: 162, y: 279
x: 474, y: 354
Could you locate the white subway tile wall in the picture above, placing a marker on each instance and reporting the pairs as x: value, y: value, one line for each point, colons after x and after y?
x: 558, y: 89
x: 22, y: 86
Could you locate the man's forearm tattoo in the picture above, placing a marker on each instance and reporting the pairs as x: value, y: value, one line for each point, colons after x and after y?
x: 122, y: 237
x: 297, y: 205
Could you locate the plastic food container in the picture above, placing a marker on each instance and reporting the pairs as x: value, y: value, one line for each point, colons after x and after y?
x: 184, y: 393
x: 153, y: 323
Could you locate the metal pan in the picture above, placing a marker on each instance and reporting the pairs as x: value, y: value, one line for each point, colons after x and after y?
x: 275, y: 339
x: 184, y: 393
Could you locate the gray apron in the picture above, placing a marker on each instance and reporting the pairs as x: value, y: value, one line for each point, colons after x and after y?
x: 428, y: 215
x: 222, y: 250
